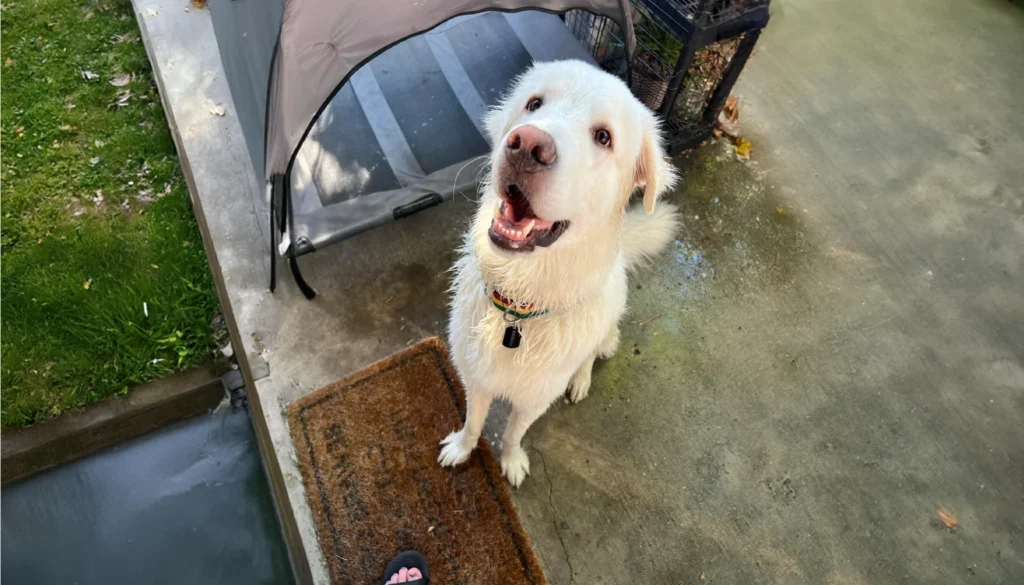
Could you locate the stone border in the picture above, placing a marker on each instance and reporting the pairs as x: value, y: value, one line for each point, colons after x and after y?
x: 80, y: 432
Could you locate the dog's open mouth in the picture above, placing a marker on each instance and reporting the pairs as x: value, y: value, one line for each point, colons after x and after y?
x: 516, y: 227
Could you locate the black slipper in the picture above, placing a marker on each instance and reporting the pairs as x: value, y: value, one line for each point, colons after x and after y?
x: 409, y: 559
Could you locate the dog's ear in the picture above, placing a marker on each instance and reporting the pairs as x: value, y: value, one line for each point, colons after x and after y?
x: 653, y: 172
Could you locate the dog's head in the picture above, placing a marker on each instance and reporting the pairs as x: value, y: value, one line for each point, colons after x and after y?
x: 570, y: 145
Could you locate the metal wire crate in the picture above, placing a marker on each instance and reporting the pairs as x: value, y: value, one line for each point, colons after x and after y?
x: 689, y: 54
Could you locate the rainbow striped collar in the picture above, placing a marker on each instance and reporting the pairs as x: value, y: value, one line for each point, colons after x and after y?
x: 513, y: 309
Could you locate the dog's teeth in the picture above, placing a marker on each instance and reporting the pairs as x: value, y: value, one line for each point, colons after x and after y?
x: 529, y: 227
x: 519, y: 234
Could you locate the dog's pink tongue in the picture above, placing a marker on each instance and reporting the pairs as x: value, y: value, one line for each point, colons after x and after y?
x: 508, y: 214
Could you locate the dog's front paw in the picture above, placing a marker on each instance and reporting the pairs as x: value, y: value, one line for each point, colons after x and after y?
x: 455, y: 449
x: 515, y: 465
x: 579, y: 386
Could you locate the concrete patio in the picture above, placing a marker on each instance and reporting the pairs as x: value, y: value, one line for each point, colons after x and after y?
x: 832, y: 352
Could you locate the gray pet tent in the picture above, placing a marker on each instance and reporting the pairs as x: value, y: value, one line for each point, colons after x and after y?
x: 359, y: 112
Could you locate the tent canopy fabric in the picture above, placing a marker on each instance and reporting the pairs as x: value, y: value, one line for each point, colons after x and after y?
x: 322, y: 42
x: 406, y: 131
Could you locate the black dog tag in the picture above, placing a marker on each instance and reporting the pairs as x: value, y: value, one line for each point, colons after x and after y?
x: 512, y: 337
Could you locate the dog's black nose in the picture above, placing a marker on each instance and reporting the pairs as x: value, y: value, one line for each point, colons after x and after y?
x: 530, y: 147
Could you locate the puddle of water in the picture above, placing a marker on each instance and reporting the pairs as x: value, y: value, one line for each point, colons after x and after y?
x: 185, y: 504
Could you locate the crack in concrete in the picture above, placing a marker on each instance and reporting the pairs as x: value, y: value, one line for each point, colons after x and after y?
x: 554, y: 513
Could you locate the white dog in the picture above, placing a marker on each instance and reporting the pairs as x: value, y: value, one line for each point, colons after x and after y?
x: 541, y: 282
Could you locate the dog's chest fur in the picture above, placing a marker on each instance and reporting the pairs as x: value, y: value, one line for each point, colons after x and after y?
x: 553, y: 347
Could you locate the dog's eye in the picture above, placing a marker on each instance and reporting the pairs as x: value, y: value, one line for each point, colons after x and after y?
x: 534, y: 104
x: 603, y: 137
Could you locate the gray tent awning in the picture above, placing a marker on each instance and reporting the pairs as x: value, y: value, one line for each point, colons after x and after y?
x: 322, y: 42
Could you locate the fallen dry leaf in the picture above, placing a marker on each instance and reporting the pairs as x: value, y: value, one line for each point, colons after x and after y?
x: 87, y: 284
x: 89, y: 75
x: 732, y: 108
x: 200, y: 4
x: 121, y: 80
x: 76, y: 209
x: 702, y: 575
x: 947, y: 518
x: 123, y: 97
x: 429, y: 530
x: 743, y: 147
x: 9, y: 62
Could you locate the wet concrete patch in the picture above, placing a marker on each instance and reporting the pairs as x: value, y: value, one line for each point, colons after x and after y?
x: 737, y: 228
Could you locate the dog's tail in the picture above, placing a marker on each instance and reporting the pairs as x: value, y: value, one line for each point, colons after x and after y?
x: 645, y: 235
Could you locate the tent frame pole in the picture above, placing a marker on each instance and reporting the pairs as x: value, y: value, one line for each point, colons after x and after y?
x: 293, y: 261
x: 282, y: 213
x: 275, y: 194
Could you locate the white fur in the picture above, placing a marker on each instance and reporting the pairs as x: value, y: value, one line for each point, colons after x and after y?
x: 581, y: 278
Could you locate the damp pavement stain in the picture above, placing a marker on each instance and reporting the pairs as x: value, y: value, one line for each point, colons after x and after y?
x: 736, y: 222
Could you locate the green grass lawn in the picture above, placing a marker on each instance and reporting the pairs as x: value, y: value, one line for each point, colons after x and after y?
x: 104, y: 279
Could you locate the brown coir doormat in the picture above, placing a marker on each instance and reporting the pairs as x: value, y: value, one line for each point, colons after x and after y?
x: 368, y: 446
